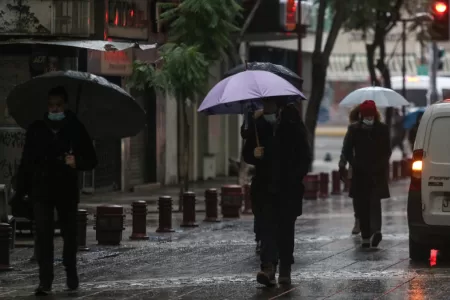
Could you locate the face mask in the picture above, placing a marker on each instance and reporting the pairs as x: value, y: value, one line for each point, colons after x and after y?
x: 368, y: 122
x: 271, y: 118
x: 56, y: 116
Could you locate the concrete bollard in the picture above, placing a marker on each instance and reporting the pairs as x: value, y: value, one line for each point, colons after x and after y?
x: 82, y: 218
x: 247, y: 200
x: 165, y: 214
x: 395, y: 170
x: 311, y: 182
x: 109, y: 224
x: 139, y: 214
x: 324, y: 185
x: 336, y: 183
x: 231, y: 201
x: 5, y: 241
x: 189, y: 210
x: 211, y: 206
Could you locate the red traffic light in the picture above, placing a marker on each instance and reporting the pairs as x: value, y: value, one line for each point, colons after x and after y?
x: 440, y: 7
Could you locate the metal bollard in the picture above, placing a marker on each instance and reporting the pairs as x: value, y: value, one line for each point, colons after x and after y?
x: 165, y: 214
x: 189, y: 210
x: 247, y: 200
x: 139, y: 213
x: 395, y: 170
x: 82, y: 218
x: 323, y: 184
x: 231, y: 201
x: 336, y: 183
x: 211, y: 204
x: 311, y: 183
x: 5, y: 241
x: 109, y: 224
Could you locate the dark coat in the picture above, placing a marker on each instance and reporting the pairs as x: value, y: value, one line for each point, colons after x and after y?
x: 368, y: 151
x: 43, y: 173
x: 287, y: 156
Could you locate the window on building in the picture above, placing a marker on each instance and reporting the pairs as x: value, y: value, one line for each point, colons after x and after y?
x: 128, y: 13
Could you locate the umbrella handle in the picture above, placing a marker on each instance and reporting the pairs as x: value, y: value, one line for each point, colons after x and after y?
x: 256, y: 135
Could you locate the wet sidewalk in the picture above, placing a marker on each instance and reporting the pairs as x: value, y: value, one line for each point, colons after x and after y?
x: 217, y: 261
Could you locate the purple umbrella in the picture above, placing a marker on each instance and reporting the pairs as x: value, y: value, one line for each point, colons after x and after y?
x: 235, y: 94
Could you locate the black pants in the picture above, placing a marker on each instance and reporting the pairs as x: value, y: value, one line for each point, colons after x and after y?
x: 355, y: 208
x: 45, y: 227
x: 277, y: 232
x: 256, y: 229
x: 369, y: 211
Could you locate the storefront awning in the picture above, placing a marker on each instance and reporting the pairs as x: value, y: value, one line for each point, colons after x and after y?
x: 103, y: 46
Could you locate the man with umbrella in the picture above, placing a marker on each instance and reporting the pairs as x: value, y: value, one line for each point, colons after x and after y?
x: 55, y: 149
x: 277, y: 145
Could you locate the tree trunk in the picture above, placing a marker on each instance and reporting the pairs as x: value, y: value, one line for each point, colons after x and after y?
x: 370, y: 49
x: 319, y: 74
x: 386, y: 74
x: 183, y: 157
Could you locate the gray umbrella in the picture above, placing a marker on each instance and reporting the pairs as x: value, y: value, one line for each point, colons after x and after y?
x: 104, y: 108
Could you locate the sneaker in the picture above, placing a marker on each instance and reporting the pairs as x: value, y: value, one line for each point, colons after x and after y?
x: 356, y: 229
x: 375, y: 239
x: 258, y: 247
x: 285, y: 275
x: 72, y: 280
x: 267, y: 275
x: 365, y: 243
x: 42, y: 290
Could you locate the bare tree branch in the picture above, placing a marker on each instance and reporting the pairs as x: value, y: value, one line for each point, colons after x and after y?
x: 336, y: 25
x: 249, y: 20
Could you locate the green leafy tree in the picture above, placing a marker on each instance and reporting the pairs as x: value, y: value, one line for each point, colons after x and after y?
x: 321, y: 57
x: 20, y: 18
x: 200, y: 33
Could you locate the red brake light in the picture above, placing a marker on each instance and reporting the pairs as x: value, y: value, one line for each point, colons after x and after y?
x: 291, y: 15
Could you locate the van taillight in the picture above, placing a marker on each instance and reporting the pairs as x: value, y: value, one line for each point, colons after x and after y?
x: 416, y: 172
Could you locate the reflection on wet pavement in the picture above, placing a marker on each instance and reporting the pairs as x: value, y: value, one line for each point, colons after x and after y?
x: 217, y: 261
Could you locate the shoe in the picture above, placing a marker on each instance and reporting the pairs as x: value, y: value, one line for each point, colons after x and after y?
x: 285, y: 275
x: 267, y: 275
x: 375, y: 239
x: 365, y: 243
x: 42, y: 290
x: 258, y: 247
x: 72, y: 280
x: 356, y: 229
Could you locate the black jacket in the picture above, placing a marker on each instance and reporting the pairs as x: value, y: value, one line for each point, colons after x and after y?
x: 43, y: 173
x: 368, y: 151
x: 287, y: 157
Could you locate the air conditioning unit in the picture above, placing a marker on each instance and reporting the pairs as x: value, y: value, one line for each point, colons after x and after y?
x: 71, y: 18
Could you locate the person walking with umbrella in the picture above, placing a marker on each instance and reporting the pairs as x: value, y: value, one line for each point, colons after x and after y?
x: 277, y: 145
x: 55, y: 149
x: 367, y: 149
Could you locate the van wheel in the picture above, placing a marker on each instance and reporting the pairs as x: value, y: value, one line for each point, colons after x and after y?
x: 418, y: 252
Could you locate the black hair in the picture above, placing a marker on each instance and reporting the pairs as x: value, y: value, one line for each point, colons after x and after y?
x: 59, y: 91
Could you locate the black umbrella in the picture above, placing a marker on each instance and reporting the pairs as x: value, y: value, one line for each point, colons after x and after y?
x: 105, y: 109
x: 279, y: 70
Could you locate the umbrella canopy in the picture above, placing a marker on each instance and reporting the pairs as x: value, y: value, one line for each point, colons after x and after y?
x: 279, y: 70
x: 234, y: 94
x: 411, y: 117
x: 382, y: 97
x: 105, y: 109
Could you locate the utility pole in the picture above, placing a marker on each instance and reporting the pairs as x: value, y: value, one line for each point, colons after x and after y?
x: 432, y: 95
x: 404, y: 58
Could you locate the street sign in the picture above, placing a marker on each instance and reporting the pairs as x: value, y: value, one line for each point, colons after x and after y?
x: 422, y: 70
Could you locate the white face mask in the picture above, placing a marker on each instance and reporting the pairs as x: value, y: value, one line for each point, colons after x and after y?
x: 271, y: 118
x: 368, y: 122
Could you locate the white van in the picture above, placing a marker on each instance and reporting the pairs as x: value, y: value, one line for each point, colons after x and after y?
x: 429, y: 192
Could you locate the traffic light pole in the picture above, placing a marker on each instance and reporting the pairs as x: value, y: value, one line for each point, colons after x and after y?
x: 404, y: 58
x: 432, y: 92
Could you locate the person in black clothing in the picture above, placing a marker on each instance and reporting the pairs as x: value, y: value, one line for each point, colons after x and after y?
x: 55, y: 149
x: 277, y: 145
x: 367, y: 149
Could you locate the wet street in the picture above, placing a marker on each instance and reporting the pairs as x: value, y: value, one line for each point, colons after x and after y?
x: 217, y: 261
